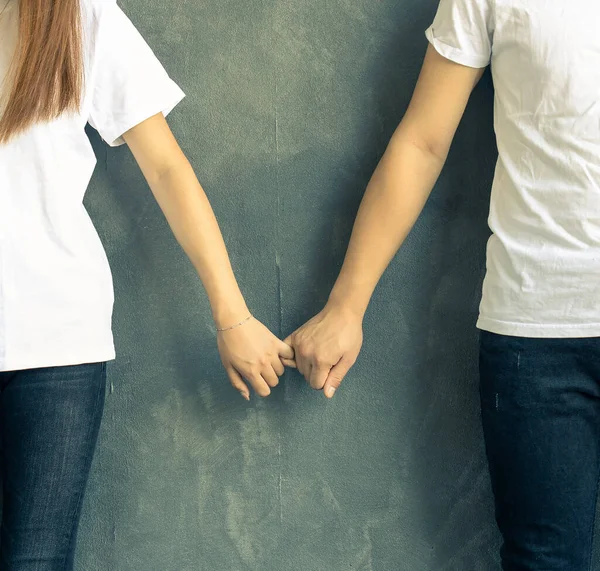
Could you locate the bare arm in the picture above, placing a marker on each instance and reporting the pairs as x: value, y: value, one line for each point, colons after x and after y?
x: 188, y: 211
x: 327, y: 346
x: 249, y: 351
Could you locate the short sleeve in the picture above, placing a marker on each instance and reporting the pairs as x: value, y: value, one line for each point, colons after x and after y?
x: 128, y: 81
x: 462, y: 31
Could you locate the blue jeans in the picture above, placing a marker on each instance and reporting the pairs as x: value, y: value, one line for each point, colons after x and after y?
x: 540, y: 402
x: 49, y: 422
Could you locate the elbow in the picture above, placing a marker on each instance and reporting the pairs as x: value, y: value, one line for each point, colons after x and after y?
x: 431, y: 149
x: 164, y: 172
x: 434, y: 148
x: 434, y: 145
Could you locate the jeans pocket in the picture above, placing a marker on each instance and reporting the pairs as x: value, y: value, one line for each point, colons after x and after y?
x: 499, y: 368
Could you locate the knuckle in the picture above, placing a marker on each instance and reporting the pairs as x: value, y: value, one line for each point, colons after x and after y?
x: 299, y: 348
x: 302, y: 356
x: 307, y: 346
x: 311, y: 356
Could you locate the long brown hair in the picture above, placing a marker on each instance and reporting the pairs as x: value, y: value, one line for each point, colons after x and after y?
x: 45, y: 78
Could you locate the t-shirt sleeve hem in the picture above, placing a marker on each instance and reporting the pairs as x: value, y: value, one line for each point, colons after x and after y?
x: 454, y: 54
x: 113, y: 136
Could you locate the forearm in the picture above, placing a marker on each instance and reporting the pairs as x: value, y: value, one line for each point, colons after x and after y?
x: 195, y: 227
x: 391, y: 205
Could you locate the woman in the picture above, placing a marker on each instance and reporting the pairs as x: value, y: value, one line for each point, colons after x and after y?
x: 540, y: 310
x: 64, y: 63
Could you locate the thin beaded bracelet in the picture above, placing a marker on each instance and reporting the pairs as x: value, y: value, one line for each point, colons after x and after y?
x: 236, y: 325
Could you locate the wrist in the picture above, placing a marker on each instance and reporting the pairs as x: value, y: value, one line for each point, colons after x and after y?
x: 235, y: 325
x: 227, y: 313
x: 347, y: 303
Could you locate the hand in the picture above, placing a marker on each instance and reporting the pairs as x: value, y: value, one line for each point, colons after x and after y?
x: 326, y: 347
x: 252, y: 352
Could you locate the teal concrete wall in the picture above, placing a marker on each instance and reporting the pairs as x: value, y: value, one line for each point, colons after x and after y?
x: 289, y: 106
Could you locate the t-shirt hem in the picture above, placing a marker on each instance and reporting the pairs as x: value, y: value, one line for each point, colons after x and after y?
x: 114, y: 136
x: 17, y: 362
x: 539, y: 330
x: 454, y: 54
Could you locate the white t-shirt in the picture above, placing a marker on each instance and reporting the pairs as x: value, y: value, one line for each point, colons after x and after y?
x: 56, y: 292
x: 543, y: 258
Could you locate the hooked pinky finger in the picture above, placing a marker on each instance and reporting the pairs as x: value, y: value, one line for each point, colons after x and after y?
x: 238, y: 383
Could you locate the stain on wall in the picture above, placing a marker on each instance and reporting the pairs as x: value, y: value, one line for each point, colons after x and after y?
x: 289, y: 107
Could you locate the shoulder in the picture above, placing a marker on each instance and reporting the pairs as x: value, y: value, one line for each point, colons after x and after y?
x: 99, y: 19
x: 93, y: 10
x: 97, y: 5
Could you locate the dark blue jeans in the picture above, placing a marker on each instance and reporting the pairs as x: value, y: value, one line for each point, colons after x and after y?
x: 541, y: 418
x: 49, y: 422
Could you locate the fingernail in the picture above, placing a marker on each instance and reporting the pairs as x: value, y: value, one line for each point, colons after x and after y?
x: 245, y: 396
x: 330, y: 392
